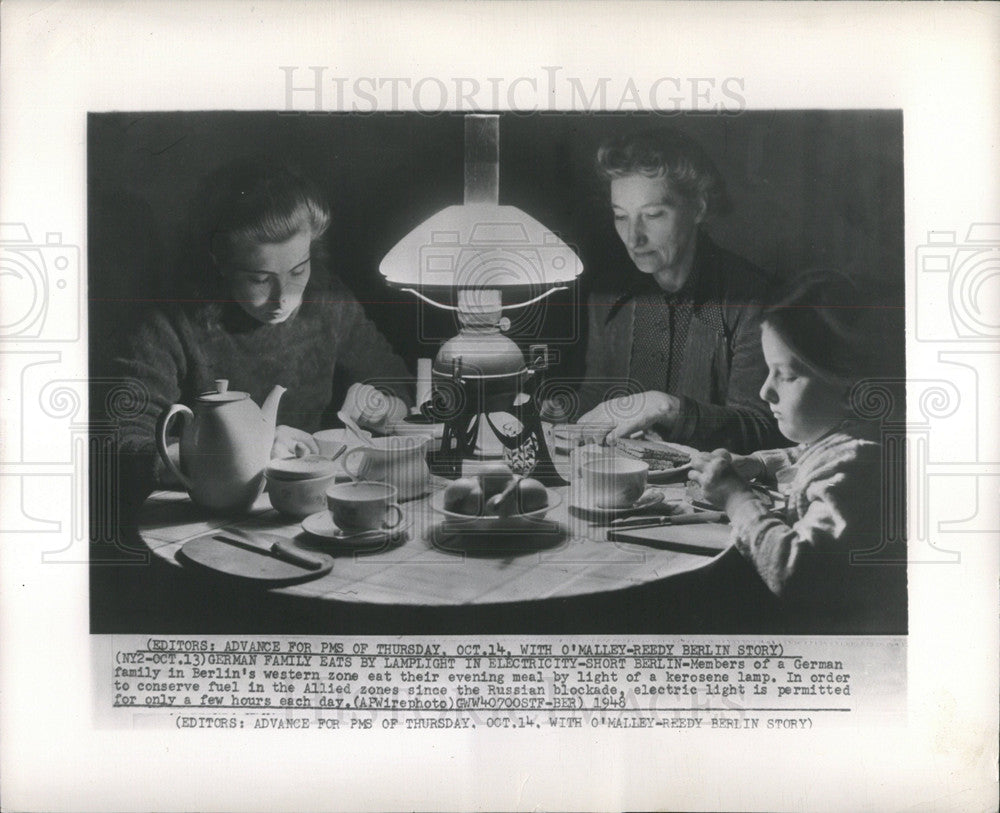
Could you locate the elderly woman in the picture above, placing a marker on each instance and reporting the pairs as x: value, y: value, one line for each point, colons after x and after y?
x: 683, y: 335
x: 261, y: 308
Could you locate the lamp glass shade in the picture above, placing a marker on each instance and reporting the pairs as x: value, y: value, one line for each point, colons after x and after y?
x: 480, y: 245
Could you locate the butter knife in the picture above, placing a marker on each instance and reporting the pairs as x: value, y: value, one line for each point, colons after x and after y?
x: 275, y: 551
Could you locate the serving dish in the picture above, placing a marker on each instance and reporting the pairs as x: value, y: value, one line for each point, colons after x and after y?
x: 489, y: 521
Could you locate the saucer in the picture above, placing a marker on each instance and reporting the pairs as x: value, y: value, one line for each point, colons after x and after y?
x: 321, y: 525
x: 650, y: 497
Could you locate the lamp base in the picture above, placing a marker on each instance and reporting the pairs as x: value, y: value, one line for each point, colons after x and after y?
x: 523, y: 446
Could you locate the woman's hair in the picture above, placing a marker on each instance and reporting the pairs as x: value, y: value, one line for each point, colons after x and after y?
x: 831, y: 324
x: 249, y: 201
x: 670, y: 154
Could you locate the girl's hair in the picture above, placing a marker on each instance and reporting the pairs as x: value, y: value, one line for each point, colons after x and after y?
x: 249, y: 201
x: 831, y: 324
x: 667, y: 153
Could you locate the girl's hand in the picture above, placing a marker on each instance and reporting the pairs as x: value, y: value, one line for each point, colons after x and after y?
x: 633, y: 413
x: 718, y: 477
x: 292, y: 442
x: 747, y: 466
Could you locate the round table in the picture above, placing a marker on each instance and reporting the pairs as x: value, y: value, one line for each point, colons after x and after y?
x: 438, y: 565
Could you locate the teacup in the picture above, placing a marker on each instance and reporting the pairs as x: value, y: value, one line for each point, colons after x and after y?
x: 363, y: 506
x: 614, y: 482
x: 588, y: 453
x: 399, y: 461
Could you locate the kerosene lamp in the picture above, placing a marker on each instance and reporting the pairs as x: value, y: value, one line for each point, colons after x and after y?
x: 479, y: 250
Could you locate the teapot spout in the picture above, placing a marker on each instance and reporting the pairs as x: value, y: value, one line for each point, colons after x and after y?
x: 269, y: 409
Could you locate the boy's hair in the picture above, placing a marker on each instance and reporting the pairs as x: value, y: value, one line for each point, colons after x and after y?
x: 257, y: 200
x: 831, y: 323
x: 250, y: 201
x: 667, y: 153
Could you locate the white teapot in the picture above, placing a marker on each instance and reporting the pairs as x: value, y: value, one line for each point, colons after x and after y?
x: 225, y: 445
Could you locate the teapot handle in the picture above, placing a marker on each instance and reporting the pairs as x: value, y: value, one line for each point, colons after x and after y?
x: 161, y: 441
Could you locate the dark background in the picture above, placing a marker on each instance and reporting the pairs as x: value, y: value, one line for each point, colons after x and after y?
x: 809, y: 188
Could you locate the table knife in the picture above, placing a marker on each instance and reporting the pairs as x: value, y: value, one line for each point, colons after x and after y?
x: 275, y: 551
x: 673, y: 519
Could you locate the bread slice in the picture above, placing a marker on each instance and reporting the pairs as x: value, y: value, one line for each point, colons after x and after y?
x: 659, y: 455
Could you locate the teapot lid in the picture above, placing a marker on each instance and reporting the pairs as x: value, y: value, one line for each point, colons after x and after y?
x: 222, y: 394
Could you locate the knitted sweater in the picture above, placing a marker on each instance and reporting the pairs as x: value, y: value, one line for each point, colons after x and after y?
x: 834, y: 507
x: 179, y: 351
x: 722, y: 367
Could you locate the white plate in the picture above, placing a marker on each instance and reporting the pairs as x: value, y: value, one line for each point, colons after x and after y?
x: 321, y: 525
x: 487, y: 522
x: 650, y: 497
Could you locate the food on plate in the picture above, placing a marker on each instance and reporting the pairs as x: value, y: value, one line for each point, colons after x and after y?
x: 491, y: 494
x: 494, y: 478
x: 465, y: 496
x: 659, y: 455
x: 526, y: 495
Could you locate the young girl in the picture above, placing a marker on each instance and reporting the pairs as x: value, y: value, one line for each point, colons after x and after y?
x: 260, y: 308
x: 818, y: 342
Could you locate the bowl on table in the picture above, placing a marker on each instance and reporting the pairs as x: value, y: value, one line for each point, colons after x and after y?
x: 487, y: 522
x: 492, y: 535
x: 297, y: 485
